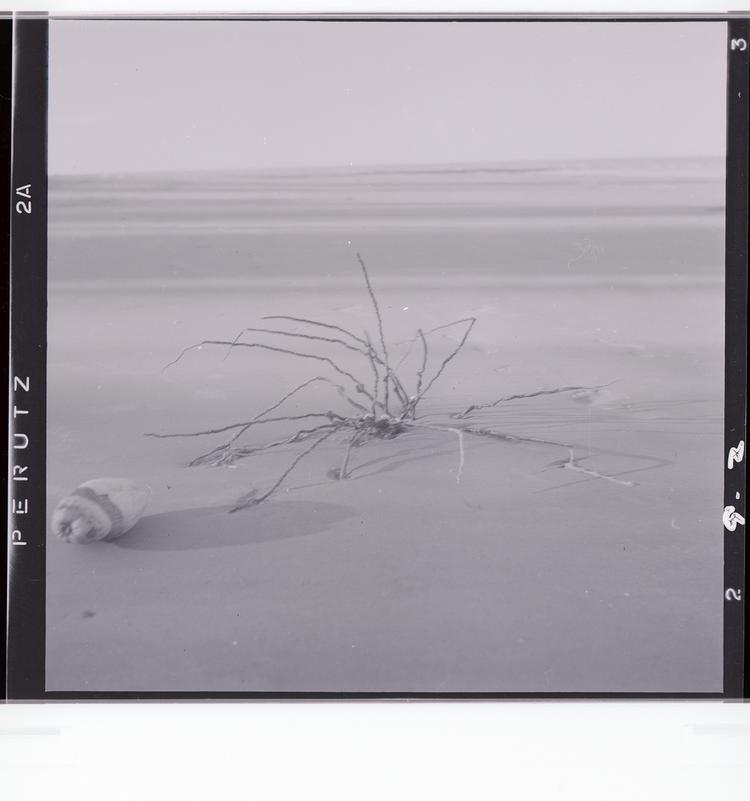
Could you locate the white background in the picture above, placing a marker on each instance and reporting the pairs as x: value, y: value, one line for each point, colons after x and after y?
x: 634, y: 751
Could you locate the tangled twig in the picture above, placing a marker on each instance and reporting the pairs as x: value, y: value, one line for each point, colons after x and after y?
x: 386, y: 412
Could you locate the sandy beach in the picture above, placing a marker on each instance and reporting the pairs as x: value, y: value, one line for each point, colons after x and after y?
x: 525, y: 575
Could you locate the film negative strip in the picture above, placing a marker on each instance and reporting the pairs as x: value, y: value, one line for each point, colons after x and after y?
x: 28, y: 348
x: 735, y: 486
x: 490, y: 378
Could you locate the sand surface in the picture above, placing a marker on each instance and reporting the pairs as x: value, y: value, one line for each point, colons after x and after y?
x: 524, y: 575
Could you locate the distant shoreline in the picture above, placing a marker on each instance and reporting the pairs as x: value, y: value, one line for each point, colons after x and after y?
x: 386, y: 283
x: 715, y: 163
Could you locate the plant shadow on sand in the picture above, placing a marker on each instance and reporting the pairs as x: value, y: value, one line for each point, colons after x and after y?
x: 197, y: 529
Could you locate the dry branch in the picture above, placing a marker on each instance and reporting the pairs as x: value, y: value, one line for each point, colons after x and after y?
x: 573, y: 464
x: 505, y: 437
x: 475, y: 407
x: 248, y: 423
x: 446, y: 361
x: 308, y: 321
x: 353, y: 442
x: 357, y: 383
x: 226, y: 454
x: 387, y: 377
x: 459, y: 433
x: 252, y: 498
x: 420, y: 372
x: 298, y: 335
x: 367, y: 348
x: 391, y: 412
x: 304, y: 384
x: 372, y: 357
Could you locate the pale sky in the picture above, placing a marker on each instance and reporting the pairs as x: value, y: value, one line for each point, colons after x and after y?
x: 132, y: 96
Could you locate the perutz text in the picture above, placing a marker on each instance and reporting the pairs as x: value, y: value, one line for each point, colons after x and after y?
x: 19, y: 471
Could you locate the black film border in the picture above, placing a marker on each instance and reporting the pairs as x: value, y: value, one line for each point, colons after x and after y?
x: 28, y: 363
x: 736, y: 649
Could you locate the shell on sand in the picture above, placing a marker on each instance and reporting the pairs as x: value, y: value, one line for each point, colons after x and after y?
x: 102, y: 509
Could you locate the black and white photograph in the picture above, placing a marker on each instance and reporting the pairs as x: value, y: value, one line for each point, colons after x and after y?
x: 385, y: 357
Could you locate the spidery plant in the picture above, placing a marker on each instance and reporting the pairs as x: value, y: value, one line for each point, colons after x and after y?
x: 380, y: 402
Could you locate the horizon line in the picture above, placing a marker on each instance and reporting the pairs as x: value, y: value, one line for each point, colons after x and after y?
x: 452, y: 166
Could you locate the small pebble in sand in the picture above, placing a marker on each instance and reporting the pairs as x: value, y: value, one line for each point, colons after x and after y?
x: 88, y: 613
